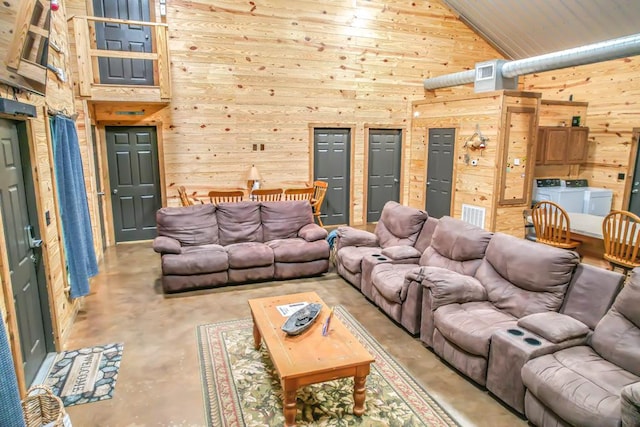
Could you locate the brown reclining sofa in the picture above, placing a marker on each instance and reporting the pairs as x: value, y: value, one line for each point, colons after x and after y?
x: 205, y: 246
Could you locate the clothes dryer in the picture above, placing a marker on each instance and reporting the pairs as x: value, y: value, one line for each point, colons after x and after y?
x: 571, y: 199
x: 597, y: 201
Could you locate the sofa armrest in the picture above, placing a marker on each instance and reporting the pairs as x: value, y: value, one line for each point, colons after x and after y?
x: 401, y: 252
x: 312, y: 232
x: 630, y: 405
x: 348, y: 236
x: 447, y: 287
x: 554, y: 327
x: 166, y: 245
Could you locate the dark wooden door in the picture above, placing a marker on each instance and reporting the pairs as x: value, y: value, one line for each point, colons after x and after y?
x: 133, y: 38
x: 385, y: 147
x: 332, y: 162
x: 22, y: 252
x: 440, y: 172
x: 135, y: 181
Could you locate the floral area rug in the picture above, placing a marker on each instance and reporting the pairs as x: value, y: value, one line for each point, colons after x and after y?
x: 241, y: 386
x: 85, y: 375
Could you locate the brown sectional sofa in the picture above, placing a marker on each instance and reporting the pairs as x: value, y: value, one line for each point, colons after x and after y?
x: 204, y: 246
x: 490, y: 304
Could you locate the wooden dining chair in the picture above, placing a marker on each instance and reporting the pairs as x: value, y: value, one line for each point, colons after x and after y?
x: 620, y: 234
x: 305, y: 193
x: 184, y: 199
x: 224, y: 196
x: 267, y: 194
x: 319, y: 191
x: 552, y: 225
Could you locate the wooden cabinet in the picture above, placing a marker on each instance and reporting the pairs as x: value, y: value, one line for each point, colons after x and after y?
x: 558, y: 145
x: 578, y: 149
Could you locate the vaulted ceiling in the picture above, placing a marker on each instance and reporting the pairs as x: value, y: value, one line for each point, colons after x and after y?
x: 525, y: 28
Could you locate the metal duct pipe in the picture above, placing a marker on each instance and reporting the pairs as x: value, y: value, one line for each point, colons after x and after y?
x: 589, y: 54
x: 597, y: 52
x: 455, y: 79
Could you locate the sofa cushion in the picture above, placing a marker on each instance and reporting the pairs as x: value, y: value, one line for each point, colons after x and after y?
x: 249, y: 254
x: 426, y: 234
x: 591, y: 293
x: 432, y: 258
x: 349, y: 236
x: 617, y: 336
x: 470, y: 325
x: 458, y: 240
x: 401, y: 252
x: 448, y: 287
x: 524, y: 277
x: 388, y: 279
x: 578, y: 385
x: 553, y: 326
x: 351, y: 256
x: 399, y: 225
x: 203, y: 259
x: 166, y: 245
x: 202, y: 248
x: 190, y: 225
x: 239, y: 222
x: 312, y: 232
x: 283, y: 219
x: 298, y: 250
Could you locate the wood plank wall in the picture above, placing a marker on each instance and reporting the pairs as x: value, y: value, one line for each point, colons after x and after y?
x: 59, y: 96
x: 477, y: 185
x: 612, y: 90
x: 260, y: 72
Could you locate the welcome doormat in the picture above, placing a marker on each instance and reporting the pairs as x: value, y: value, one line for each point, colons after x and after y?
x: 241, y: 386
x: 85, y: 375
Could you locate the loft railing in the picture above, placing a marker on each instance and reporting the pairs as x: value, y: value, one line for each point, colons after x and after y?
x: 84, y: 28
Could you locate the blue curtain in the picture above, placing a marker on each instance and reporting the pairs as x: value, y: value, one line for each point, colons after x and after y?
x: 10, y: 407
x: 74, y: 210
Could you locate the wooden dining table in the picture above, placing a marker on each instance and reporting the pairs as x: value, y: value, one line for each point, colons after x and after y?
x: 587, y: 229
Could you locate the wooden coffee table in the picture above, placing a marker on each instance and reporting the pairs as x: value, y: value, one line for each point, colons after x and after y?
x: 310, y: 357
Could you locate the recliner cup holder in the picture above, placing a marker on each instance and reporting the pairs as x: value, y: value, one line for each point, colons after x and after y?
x: 516, y: 332
x: 532, y: 341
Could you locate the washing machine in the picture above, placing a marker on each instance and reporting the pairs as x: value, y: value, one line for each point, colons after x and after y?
x: 570, y: 198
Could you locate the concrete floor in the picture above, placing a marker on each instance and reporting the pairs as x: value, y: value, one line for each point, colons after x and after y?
x: 159, y: 380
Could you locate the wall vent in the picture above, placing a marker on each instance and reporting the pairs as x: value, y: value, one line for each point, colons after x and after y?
x: 473, y: 215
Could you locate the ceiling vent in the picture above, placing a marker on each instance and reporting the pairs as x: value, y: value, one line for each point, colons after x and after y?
x: 489, y: 77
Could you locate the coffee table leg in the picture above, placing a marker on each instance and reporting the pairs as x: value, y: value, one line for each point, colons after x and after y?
x: 289, y: 407
x: 359, y: 390
x: 257, y: 338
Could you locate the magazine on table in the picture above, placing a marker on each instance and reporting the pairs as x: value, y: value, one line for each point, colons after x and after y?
x: 288, y: 309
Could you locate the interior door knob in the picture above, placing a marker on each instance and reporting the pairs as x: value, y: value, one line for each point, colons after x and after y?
x: 115, y: 191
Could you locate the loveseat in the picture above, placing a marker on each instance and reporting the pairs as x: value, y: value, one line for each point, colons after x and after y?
x: 208, y: 245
